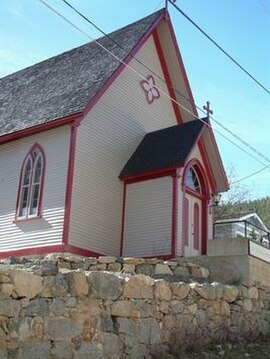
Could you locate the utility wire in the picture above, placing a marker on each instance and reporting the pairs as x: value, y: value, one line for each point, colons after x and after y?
x: 143, y: 77
x: 186, y: 98
x: 219, y: 47
x: 264, y: 6
x: 251, y: 175
x: 161, y: 78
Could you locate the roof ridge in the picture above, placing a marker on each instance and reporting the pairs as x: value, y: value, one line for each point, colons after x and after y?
x: 64, y: 84
x: 85, y: 44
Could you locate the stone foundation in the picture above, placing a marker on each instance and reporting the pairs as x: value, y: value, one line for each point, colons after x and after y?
x: 69, y: 307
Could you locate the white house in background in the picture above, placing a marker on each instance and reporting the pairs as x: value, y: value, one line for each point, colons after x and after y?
x: 247, y: 225
x: 96, y: 160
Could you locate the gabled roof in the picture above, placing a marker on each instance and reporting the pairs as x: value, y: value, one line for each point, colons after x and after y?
x: 63, y: 85
x: 163, y: 149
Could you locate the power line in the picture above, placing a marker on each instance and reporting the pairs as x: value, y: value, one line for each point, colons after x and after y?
x: 153, y: 72
x: 251, y: 174
x: 264, y: 6
x: 219, y: 47
x: 142, y: 77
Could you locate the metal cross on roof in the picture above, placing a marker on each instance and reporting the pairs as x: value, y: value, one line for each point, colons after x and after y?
x: 207, y: 109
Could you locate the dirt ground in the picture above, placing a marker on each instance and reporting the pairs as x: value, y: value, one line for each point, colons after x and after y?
x: 244, y: 350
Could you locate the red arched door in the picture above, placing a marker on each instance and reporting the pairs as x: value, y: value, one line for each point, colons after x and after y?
x: 194, y: 211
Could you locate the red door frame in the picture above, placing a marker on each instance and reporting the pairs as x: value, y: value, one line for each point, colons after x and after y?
x: 204, y: 197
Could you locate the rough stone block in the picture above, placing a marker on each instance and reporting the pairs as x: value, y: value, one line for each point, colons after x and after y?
x: 77, y: 283
x: 99, y: 266
x: 62, y: 350
x: 58, y: 306
x: 4, y: 279
x: 128, y: 268
x: 62, y: 328
x: 180, y: 290
x: 36, y: 307
x: 114, y: 267
x: 10, y: 307
x: 106, y: 259
x: 253, y: 293
x: 26, y: 284
x: 88, y: 351
x: 122, y: 308
x: 134, y: 261
x: 162, y: 290
x: 230, y: 293
x: 37, y: 350
x: 181, y: 272
x: 206, y: 291
x: 54, y: 286
x: 199, y: 272
x: 146, y: 269
x: 177, y: 306
x: 6, y: 289
x: 105, y: 285
x: 149, y: 331
x: 113, y: 346
x: 20, y: 329
x: 3, y: 354
x: 163, y: 269
x: 139, y: 286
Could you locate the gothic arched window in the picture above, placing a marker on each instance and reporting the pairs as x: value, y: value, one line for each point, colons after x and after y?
x: 31, y: 184
x: 192, y: 180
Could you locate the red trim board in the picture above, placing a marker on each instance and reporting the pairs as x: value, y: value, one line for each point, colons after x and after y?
x: 123, y: 219
x: 167, y: 77
x: 175, y: 190
x: 40, y: 128
x: 71, y: 163
x: 32, y: 251
x: 49, y: 249
x: 181, y: 64
x: 122, y: 66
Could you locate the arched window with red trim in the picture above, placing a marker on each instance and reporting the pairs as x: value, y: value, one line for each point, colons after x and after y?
x: 192, y: 180
x: 31, y: 184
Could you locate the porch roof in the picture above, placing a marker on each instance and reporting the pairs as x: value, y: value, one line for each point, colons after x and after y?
x: 163, y: 149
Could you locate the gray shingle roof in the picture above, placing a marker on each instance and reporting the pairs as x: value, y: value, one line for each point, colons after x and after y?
x: 162, y: 149
x: 62, y: 85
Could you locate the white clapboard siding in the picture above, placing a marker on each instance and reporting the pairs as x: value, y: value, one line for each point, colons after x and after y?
x: 107, y: 137
x: 47, y: 230
x: 148, y: 218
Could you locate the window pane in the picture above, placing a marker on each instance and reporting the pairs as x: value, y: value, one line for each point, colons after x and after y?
x: 34, y: 199
x: 38, y: 170
x: 192, y: 181
x: 27, y: 172
x: 23, y: 204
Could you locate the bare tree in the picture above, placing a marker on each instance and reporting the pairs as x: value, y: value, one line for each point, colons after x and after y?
x: 232, y: 201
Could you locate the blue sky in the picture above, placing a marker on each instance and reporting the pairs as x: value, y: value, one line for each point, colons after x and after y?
x: 31, y: 33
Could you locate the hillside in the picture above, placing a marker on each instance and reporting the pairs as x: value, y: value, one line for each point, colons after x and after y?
x: 260, y: 206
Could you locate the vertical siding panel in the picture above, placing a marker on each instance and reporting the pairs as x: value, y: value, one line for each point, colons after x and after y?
x: 47, y: 230
x: 106, y: 139
x: 148, y: 218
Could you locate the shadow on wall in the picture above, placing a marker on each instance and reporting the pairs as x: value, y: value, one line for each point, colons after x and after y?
x: 36, y: 224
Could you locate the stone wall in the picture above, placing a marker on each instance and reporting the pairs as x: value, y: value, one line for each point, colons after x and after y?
x: 49, y: 308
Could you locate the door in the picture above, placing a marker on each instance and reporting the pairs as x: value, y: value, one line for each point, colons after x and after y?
x: 192, y: 226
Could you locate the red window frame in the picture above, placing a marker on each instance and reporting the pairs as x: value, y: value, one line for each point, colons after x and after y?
x: 35, y: 152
